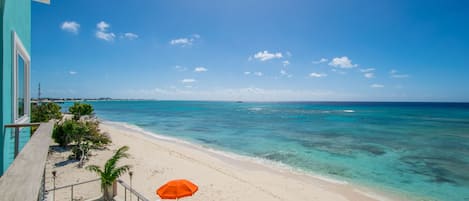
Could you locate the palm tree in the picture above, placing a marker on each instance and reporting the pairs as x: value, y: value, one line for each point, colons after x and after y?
x: 110, y: 173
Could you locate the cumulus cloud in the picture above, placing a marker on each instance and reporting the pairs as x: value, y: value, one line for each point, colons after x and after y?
x: 322, y: 60
x: 186, y: 41
x: 188, y: 80
x: 369, y: 75
x: 130, y: 36
x: 72, y: 72
x: 376, y: 86
x: 70, y: 26
x: 395, y: 74
x: 200, y: 69
x: 285, y: 73
x: 342, y: 62
x: 103, y: 26
x: 266, y: 55
x: 367, y: 70
x: 258, y: 74
x: 317, y: 75
x: 285, y: 63
x: 103, y: 32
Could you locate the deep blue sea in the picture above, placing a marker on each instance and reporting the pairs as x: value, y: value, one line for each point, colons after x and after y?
x: 421, y: 149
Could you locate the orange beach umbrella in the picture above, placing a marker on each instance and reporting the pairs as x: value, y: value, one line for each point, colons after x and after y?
x: 177, y: 189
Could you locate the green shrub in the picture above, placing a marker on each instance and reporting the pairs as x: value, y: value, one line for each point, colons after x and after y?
x: 45, y: 112
x: 95, y: 136
x: 65, y: 132
x: 78, y: 131
x: 80, y: 109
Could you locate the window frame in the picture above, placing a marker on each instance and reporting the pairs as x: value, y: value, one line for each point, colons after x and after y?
x: 18, y: 49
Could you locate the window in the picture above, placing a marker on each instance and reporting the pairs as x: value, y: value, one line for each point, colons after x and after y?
x: 21, y: 65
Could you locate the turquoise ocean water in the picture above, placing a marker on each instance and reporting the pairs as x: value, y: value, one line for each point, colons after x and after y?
x: 421, y: 149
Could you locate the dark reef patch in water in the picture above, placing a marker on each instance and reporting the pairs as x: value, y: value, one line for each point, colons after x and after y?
x: 431, y: 167
x: 372, y: 149
x: 199, y: 129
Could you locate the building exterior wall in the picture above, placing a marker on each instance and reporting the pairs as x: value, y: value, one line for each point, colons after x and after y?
x: 15, y: 16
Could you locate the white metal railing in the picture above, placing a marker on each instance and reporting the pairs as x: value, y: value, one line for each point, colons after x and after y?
x: 73, y: 194
x: 132, y: 192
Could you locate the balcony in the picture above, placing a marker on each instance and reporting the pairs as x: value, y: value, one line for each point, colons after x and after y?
x: 23, y: 181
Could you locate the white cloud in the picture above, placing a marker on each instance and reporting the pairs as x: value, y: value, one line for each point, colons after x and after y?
x: 185, y: 41
x: 181, y: 41
x: 369, y: 75
x: 285, y: 73
x: 130, y: 36
x: 70, y: 26
x: 376, y: 86
x: 105, y: 36
x: 322, y: 60
x: 103, y: 26
x: 200, y: 69
x: 342, y: 62
x: 394, y: 74
x: 285, y: 63
x: 258, y: 74
x: 103, y: 33
x: 400, y: 76
x: 188, y: 80
x: 265, y: 55
x: 72, y: 72
x: 317, y: 75
x: 367, y: 70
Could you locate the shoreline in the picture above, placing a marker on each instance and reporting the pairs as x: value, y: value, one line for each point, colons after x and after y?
x: 329, y: 188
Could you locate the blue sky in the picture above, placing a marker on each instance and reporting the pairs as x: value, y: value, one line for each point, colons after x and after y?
x: 252, y: 50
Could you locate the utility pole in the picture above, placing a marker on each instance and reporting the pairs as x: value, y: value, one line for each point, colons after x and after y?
x: 39, y: 94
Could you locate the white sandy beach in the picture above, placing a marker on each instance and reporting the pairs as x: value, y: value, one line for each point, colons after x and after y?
x: 219, y: 177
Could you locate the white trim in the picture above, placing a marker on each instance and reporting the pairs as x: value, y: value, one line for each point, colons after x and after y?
x: 18, y: 49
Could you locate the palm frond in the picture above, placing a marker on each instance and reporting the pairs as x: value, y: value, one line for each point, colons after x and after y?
x: 116, y: 173
x: 95, y: 168
x: 120, y: 153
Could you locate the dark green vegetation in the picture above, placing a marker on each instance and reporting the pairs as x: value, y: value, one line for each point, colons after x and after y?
x: 80, y: 135
x: 45, y: 112
x: 80, y: 109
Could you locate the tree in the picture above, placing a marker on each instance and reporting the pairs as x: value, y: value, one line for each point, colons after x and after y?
x: 45, y: 112
x: 80, y: 109
x: 85, y: 135
x: 111, y: 172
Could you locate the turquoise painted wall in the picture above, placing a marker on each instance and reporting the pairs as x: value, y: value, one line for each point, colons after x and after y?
x: 15, y: 16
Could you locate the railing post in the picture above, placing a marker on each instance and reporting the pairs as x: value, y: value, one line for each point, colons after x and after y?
x: 71, y: 199
x: 17, y: 140
x: 125, y: 194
